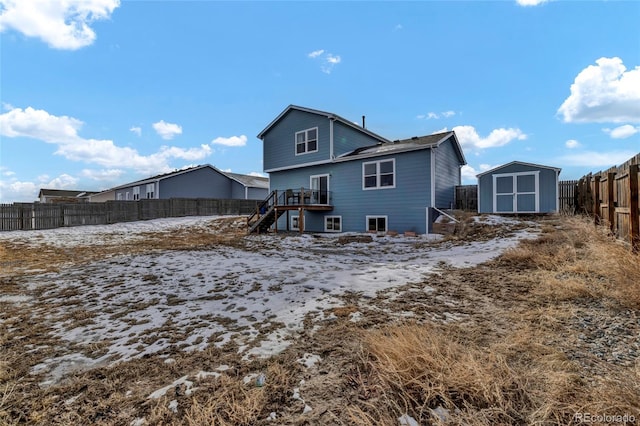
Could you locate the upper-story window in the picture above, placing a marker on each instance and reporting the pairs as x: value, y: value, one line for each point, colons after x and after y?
x: 379, y: 174
x: 307, y: 141
x: 136, y: 192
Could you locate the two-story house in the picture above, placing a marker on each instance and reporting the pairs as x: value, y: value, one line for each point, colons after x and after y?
x: 328, y: 174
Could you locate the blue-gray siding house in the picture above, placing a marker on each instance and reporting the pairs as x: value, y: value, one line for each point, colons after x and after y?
x: 203, y: 181
x: 328, y: 174
x: 519, y: 187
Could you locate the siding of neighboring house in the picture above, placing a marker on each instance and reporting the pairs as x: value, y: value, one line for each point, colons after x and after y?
x: 102, y: 197
x: 280, y: 147
x: 200, y: 183
x: 447, y: 174
x: 548, y: 186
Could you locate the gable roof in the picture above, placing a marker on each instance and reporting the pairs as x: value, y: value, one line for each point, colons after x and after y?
x: 328, y: 115
x: 63, y: 193
x: 540, y: 166
x: 413, y: 144
x: 245, y: 180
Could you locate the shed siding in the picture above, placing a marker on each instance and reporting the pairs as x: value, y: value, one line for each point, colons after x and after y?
x: 548, y: 187
x: 346, y: 139
x: 279, y: 148
x: 405, y: 205
x: 447, y: 174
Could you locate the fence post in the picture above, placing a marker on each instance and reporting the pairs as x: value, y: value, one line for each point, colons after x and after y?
x: 634, y: 220
x: 596, y: 200
x: 611, y: 176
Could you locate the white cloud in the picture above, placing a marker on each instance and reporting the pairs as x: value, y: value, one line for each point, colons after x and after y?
x: 257, y: 174
x: 327, y: 60
x: 102, y: 175
x: 622, y: 132
x: 167, y: 130
x: 16, y: 191
x: 436, y: 116
x: 60, y: 24
x: 605, y: 92
x: 316, y: 53
x: 530, y: 2
x: 572, y: 143
x: 232, y: 141
x: 596, y: 159
x: 469, y: 137
x: 398, y: 27
x: 136, y: 130
x: 64, y: 181
x: 469, y: 173
x: 62, y: 131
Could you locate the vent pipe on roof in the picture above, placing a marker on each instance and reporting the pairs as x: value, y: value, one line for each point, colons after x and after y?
x: 363, y: 122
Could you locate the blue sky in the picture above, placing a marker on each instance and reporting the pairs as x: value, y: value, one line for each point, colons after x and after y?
x: 97, y: 93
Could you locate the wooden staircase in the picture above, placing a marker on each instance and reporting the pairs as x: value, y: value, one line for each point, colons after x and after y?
x: 265, y: 215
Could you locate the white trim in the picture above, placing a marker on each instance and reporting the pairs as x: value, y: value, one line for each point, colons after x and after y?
x: 433, y: 177
x: 328, y: 176
x: 378, y: 175
x: 306, y: 141
x: 332, y: 217
x: 515, y: 191
x: 386, y: 222
x: 537, y: 166
x: 331, y: 120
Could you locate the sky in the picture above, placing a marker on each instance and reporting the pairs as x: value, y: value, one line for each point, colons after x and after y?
x: 98, y: 93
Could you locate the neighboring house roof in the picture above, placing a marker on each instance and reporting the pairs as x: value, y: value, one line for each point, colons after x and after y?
x: 246, y: 180
x: 249, y: 180
x: 557, y: 169
x: 63, y: 193
x: 329, y: 115
x: 404, y: 145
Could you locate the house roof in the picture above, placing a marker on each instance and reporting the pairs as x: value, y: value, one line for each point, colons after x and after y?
x: 328, y: 115
x: 63, y: 193
x: 246, y: 180
x: 404, y: 145
x: 540, y: 166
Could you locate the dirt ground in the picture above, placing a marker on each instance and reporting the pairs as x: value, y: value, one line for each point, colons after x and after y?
x: 547, y: 333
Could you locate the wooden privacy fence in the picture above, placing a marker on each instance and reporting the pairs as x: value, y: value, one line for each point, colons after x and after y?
x: 612, y: 198
x: 567, y: 196
x: 29, y: 216
x: 467, y: 197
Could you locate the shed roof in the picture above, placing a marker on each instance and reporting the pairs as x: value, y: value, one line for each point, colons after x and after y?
x: 540, y: 166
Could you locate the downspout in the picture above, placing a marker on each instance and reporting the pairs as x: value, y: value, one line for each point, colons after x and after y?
x: 331, y: 120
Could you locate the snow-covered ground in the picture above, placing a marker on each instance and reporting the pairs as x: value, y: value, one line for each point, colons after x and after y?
x: 256, y: 297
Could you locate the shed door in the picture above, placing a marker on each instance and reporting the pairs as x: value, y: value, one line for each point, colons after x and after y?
x: 516, y: 192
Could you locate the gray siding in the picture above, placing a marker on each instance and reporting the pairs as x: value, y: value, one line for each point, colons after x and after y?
x: 346, y: 139
x: 257, y: 193
x: 447, y: 174
x: 405, y: 205
x: 279, y: 148
x: 548, y: 187
x: 200, y: 183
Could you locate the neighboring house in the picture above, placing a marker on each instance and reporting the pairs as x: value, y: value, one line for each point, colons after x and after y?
x: 63, y: 196
x: 203, y: 181
x: 103, y: 196
x: 329, y: 174
x: 519, y: 187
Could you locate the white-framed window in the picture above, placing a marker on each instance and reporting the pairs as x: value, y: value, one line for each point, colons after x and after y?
x: 127, y: 196
x: 307, y: 141
x: 333, y: 223
x: 379, y: 174
x: 294, y: 223
x: 119, y: 196
x: 136, y: 192
x: 377, y: 223
x: 150, y: 189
